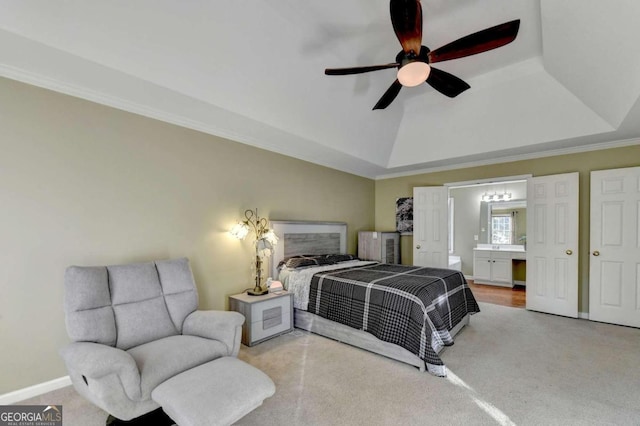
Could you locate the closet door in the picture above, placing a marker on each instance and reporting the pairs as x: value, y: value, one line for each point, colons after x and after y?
x: 552, y: 244
x: 614, y: 261
x: 430, y: 238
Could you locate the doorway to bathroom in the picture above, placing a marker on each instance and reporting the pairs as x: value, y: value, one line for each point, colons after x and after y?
x: 487, y: 233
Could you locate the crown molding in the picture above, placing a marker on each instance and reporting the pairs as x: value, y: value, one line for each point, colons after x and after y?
x: 519, y: 157
x: 101, y: 98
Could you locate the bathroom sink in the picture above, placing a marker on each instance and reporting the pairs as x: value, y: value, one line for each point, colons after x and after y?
x: 503, y: 247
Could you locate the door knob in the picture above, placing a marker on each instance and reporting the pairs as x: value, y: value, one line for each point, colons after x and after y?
x: 418, y: 246
x: 569, y: 252
x: 596, y: 253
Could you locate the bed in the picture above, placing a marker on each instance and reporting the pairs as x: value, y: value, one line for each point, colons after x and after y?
x: 403, y: 312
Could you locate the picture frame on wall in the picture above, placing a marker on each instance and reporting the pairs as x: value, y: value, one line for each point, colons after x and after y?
x: 404, y: 215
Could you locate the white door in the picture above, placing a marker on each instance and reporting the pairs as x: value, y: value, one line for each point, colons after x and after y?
x: 614, y: 261
x: 430, y: 239
x: 552, y: 244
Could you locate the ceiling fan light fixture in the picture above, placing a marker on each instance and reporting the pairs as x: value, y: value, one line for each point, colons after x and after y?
x: 413, y: 73
x: 414, y: 58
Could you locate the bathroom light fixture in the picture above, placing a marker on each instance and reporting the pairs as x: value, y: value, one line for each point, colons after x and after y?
x: 504, y: 196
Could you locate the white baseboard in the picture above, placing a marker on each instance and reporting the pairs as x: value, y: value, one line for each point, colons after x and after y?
x: 35, y: 390
x: 583, y: 315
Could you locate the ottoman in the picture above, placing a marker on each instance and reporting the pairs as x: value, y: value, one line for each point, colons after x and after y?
x: 219, y: 392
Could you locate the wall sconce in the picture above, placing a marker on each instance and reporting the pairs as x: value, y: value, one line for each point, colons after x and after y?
x: 264, y: 242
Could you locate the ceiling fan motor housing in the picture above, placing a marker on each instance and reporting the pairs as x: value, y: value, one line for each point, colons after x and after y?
x: 404, y: 58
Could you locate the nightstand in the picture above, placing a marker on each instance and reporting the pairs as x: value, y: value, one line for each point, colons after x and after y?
x: 266, y: 316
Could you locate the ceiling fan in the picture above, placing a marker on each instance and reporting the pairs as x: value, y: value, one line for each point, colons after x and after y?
x: 414, y: 59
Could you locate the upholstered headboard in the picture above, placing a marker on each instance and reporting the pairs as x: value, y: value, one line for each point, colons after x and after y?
x: 299, y: 237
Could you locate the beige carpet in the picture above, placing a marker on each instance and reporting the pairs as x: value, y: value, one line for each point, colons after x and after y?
x: 509, y: 366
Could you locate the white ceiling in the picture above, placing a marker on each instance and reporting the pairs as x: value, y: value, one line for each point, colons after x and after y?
x: 254, y: 72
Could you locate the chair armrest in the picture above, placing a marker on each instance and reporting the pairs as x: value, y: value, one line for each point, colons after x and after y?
x: 95, y: 361
x: 224, y: 326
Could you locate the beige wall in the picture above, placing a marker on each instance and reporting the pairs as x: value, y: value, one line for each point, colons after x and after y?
x: 387, y: 190
x: 85, y: 184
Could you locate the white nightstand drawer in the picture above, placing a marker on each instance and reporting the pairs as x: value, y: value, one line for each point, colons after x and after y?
x: 271, y: 326
x: 266, y: 316
x: 258, y: 309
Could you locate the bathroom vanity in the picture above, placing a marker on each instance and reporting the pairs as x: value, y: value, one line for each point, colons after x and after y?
x: 494, y: 264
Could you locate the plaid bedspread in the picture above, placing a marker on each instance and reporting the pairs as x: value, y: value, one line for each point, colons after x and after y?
x: 412, y: 307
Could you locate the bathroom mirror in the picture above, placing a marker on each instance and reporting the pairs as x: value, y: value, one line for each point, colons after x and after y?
x: 503, y: 222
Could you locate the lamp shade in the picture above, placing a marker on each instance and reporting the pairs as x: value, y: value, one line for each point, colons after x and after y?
x: 239, y: 230
x: 271, y: 237
x: 414, y: 73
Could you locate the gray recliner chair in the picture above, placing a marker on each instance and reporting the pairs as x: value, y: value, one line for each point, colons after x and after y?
x: 133, y: 327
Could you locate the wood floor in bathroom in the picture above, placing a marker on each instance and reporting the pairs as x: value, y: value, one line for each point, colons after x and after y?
x: 514, y: 297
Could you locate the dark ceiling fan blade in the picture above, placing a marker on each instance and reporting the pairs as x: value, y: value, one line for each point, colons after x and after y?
x: 490, y: 38
x: 358, y: 70
x: 389, y: 95
x: 406, y: 17
x: 445, y: 83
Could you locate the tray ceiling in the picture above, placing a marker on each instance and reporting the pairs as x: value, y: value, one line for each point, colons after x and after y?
x: 253, y: 72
